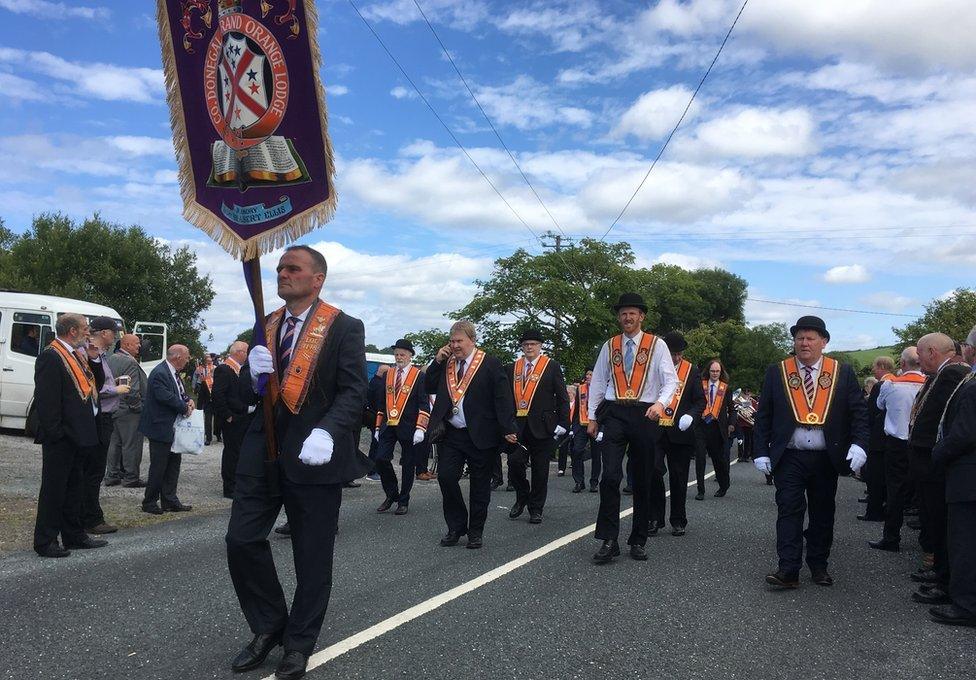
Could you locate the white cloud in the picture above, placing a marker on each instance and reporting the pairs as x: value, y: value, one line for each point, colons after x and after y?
x: 850, y: 273
x: 571, y: 26
x: 142, y: 146
x: 528, y: 104
x: 19, y: 89
x: 655, y: 113
x: 756, y: 132
x: 54, y: 10
x: 337, y: 90
x: 688, y: 262
x: 460, y: 14
x: 400, y: 92
x: 761, y: 308
x: 888, y: 301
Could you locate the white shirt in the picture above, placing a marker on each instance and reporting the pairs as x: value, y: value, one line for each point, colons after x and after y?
x: 176, y: 378
x: 457, y: 419
x: 897, y: 399
x: 298, y: 326
x: 660, y: 386
x: 809, y: 438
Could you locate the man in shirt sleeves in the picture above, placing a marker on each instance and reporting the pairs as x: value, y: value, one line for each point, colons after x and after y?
x: 811, y: 427
x: 633, y: 381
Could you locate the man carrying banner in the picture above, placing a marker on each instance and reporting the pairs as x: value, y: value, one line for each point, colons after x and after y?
x: 542, y: 415
x: 633, y: 381
x: 314, y: 360
x: 401, y: 416
x: 811, y: 426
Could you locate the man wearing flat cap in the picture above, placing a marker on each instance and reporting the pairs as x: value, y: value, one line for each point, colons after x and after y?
x: 633, y: 382
x: 811, y: 426
x: 542, y: 415
x: 401, y: 416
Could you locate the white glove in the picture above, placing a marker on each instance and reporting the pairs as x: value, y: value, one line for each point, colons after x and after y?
x: 763, y: 464
x: 558, y: 432
x: 599, y: 436
x: 317, y: 449
x: 376, y: 434
x: 418, y: 436
x: 259, y: 361
x: 857, y: 457
x: 684, y: 422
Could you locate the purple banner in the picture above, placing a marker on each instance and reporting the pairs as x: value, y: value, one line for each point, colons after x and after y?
x: 249, y: 119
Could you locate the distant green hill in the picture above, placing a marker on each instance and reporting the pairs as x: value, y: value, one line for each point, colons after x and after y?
x: 862, y: 359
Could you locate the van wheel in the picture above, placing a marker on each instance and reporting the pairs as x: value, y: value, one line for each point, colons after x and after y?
x: 30, y: 427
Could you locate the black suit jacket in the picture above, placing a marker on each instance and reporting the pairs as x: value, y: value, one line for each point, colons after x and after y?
x: 935, y: 393
x: 720, y: 424
x: 334, y: 403
x: 876, y: 418
x: 957, y: 450
x: 847, y: 421
x: 226, y: 398
x: 550, y: 405
x: 61, y: 412
x: 162, y: 405
x: 489, y: 409
x: 417, y: 401
x: 692, y: 403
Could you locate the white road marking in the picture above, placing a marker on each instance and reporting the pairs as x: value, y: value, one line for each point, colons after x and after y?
x: 350, y: 643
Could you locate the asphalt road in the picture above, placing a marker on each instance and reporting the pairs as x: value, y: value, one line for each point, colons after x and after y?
x: 158, y: 603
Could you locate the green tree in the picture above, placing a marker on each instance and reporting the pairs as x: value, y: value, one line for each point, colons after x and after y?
x: 426, y: 343
x: 124, y: 268
x: 953, y: 315
x: 745, y: 351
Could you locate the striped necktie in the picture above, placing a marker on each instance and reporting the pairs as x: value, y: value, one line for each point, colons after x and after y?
x: 399, y: 381
x: 808, y: 383
x: 287, y: 343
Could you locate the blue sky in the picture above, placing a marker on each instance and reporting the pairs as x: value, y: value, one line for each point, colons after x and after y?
x: 829, y: 159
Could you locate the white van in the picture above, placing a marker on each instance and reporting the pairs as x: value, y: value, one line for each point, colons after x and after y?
x: 27, y: 326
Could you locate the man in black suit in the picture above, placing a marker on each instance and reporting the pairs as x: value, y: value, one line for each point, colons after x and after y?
x: 313, y: 359
x: 230, y: 410
x: 165, y: 401
x: 474, y: 407
x: 715, y: 422
x: 956, y: 455
x: 203, y: 380
x: 65, y: 396
x: 936, y: 353
x: 401, y: 416
x: 811, y: 427
x: 676, y: 437
x: 542, y: 416
x: 874, y: 470
x: 581, y: 440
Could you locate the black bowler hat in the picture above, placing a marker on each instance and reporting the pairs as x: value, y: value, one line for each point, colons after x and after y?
x: 810, y: 323
x: 675, y: 341
x: 630, y: 300
x: 103, y: 323
x: 531, y: 335
x: 404, y: 344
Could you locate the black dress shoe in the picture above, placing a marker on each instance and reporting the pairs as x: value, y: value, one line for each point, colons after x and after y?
x: 535, y: 518
x: 952, y: 616
x: 890, y: 546
x: 607, y: 552
x: 783, y: 580
x: 112, y: 481
x: 638, y: 553
x: 152, y: 509
x: 179, y: 507
x: 52, y: 549
x: 284, y: 529
x: 401, y: 509
x: 652, y: 529
x: 451, y: 538
x: 628, y: 490
x: 88, y: 544
x: 495, y: 484
x: 138, y: 484
x: 516, y: 510
x: 579, y: 487
x: 721, y: 493
x: 255, y: 652
x: 934, y: 595
x: 821, y: 577
x: 927, y: 576
x: 292, y: 665
x: 678, y: 531
x: 700, y: 496
x: 474, y: 542
x: 868, y: 518
x: 207, y: 442
x: 347, y: 485
x: 862, y: 500
x: 594, y: 488
x: 385, y: 505
x: 509, y: 488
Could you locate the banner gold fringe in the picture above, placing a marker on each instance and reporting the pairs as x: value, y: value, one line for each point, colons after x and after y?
x: 201, y: 217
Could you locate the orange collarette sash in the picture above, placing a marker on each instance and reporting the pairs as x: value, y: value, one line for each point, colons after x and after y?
x: 524, y: 394
x: 236, y: 367
x: 298, y: 376
x: 396, y: 401
x: 208, y: 378
x: 683, y: 370
x: 81, y: 375
x: 630, y: 389
x: 456, y: 389
x: 810, y: 413
x: 583, y: 396
x: 915, y: 378
x: 714, y: 408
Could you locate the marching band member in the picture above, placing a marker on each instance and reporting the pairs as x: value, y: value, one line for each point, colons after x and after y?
x: 542, y: 416
x: 580, y: 441
x: 715, y: 423
x: 633, y: 380
x: 401, y: 417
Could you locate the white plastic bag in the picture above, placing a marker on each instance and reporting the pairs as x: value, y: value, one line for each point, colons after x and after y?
x: 188, y: 434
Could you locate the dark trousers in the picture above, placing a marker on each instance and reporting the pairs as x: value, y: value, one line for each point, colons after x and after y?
x: 717, y: 447
x: 59, y: 500
x: 94, y: 472
x: 421, y: 454
x: 233, y: 438
x: 625, y: 428
x: 582, y: 448
x: 208, y: 422
x: 164, y: 474
x: 806, y: 484
x: 678, y: 459
x: 389, y: 437
x: 534, y: 495
x: 701, y: 459
x: 456, y: 449
x: 563, y: 459
x: 874, y: 478
x: 897, y: 485
x: 745, y: 453
x: 313, y: 514
x: 962, y: 555
x: 496, y: 469
x: 932, y: 511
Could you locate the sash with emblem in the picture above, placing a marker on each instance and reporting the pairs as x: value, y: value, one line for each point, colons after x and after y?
x: 236, y: 367
x: 630, y: 387
x: 208, y: 378
x: 524, y: 393
x: 584, y: 404
x: 298, y: 376
x: 713, y: 408
x: 683, y: 369
x: 457, y: 389
x: 807, y: 411
x: 396, y: 401
x: 81, y: 375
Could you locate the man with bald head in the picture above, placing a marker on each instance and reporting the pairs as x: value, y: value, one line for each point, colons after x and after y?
x: 231, y: 414
x: 165, y: 401
x: 935, y: 354
x: 125, y: 447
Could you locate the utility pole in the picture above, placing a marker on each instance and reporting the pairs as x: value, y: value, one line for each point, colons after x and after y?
x: 557, y: 245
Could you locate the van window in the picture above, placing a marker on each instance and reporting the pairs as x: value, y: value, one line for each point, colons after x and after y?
x: 28, y: 333
x: 151, y: 336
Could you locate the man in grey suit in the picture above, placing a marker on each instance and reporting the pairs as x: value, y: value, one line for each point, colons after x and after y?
x: 125, y: 447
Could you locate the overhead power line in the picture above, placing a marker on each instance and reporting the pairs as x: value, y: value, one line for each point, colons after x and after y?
x: 831, y: 309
